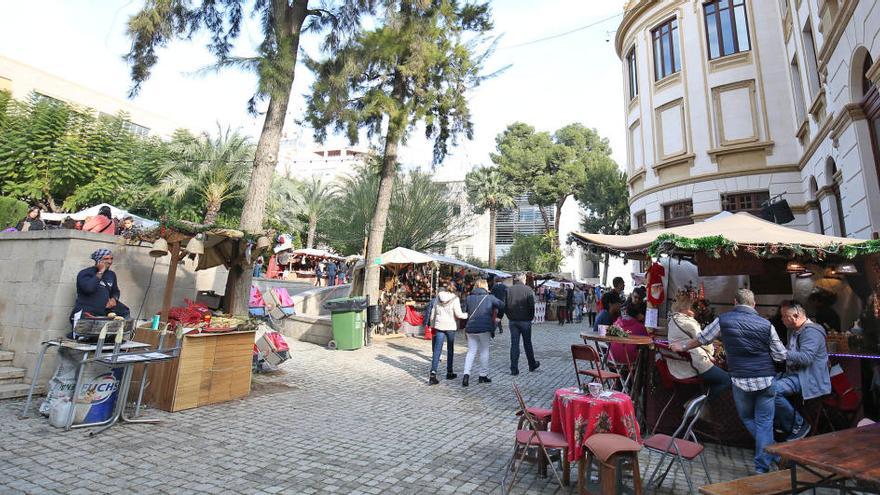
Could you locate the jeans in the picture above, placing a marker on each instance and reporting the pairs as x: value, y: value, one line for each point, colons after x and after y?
x: 524, y: 329
x: 756, y: 412
x: 786, y: 416
x: 717, y: 380
x: 478, y: 342
x: 439, y: 337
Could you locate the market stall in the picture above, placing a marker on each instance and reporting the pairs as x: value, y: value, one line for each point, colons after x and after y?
x: 837, y: 279
x: 300, y: 264
x: 409, y: 279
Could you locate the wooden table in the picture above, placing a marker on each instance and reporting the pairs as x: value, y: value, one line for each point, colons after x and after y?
x: 848, y: 455
x: 639, y: 368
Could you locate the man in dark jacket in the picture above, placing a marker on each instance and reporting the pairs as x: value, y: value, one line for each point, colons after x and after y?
x: 520, y: 310
x: 499, y: 290
x: 331, y: 273
x: 752, y: 345
x: 806, y: 369
x: 97, y: 292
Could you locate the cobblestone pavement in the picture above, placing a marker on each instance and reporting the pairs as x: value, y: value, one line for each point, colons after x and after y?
x: 329, y: 422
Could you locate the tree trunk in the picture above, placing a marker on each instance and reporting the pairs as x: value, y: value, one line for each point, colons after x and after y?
x: 288, y: 25
x: 313, y: 227
x: 544, y: 218
x: 605, y: 270
x: 380, y: 215
x: 558, y: 211
x: 492, y: 216
x: 211, y: 214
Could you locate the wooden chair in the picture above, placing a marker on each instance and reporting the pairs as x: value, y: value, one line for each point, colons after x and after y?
x: 531, y: 438
x: 587, y: 353
x: 612, y: 452
x: 679, y: 447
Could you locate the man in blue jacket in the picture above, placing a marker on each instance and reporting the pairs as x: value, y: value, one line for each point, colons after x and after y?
x: 331, y: 272
x: 97, y: 292
x: 806, y: 372
x: 752, y: 345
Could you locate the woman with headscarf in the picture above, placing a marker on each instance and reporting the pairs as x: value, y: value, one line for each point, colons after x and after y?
x: 101, y: 223
x: 97, y: 291
x: 32, y: 221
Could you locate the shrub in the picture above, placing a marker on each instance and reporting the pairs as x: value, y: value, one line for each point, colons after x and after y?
x: 11, y: 211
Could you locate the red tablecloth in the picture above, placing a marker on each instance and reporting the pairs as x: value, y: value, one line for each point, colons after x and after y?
x: 577, y: 416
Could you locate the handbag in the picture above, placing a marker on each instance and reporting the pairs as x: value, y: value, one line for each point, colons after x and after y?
x: 471, y: 313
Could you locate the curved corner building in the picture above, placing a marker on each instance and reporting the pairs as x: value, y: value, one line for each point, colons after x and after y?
x: 732, y: 102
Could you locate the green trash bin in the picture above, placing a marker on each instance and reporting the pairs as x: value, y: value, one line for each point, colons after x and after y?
x: 348, y: 316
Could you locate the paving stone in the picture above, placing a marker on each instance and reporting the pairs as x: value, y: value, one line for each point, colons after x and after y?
x: 328, y: 422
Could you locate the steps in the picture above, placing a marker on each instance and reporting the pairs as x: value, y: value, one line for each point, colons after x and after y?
x: 12, y: 384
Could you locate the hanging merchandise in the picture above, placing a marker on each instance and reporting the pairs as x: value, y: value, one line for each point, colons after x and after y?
x: 656, y: 291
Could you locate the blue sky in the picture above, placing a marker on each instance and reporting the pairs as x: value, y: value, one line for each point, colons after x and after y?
x: 574, y: 78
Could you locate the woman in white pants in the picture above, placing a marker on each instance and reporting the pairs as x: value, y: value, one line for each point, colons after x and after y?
x: 482, y: 309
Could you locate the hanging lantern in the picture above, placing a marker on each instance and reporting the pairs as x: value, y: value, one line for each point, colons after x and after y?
x: 846, y: 269
x: 195, y: 245
x: 159, y: 249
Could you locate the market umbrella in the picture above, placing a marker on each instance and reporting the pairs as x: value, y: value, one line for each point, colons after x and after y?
x: 403, y: 256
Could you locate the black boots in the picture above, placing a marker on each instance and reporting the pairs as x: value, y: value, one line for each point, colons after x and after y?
x: 450, y: 376
x: 433, y: 380
x: 533, y: 368
x: 484, y: 379
x: 464, y: 380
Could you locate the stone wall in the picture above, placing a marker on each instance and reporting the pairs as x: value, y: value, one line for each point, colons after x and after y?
x: 38, y: 286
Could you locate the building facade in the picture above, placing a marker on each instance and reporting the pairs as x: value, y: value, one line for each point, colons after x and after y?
x: 327, y: 164
x: 730, y: 103
x: 23, y: 81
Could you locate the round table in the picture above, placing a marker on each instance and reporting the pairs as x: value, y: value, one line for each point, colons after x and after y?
x: 577, y: 416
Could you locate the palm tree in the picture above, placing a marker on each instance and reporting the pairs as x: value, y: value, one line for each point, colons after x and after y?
x: 488, y: 190
x: 208, y: 170
x: 282, y: 210
x: 314, y: 200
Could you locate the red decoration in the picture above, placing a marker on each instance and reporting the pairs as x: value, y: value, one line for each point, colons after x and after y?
x: 656, y: 293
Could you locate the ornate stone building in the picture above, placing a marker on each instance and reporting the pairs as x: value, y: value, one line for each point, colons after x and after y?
x: 733, y: 102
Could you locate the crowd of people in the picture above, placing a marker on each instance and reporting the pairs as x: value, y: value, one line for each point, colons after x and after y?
x: 102, y: 223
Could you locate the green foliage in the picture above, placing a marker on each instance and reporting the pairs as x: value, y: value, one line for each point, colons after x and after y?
x: 488, y: 189
x: 536, y: 253
x: 605, y: 196
x: 420, y: 217
x: 64, y: 158
x: 12, y: 211
x: 417, y: 66
x: 473, y: 260
x: 205, y: 172
x: 551, y: 168
x: 282, y: 211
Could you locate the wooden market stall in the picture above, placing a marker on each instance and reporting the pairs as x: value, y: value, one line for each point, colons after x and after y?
x: 711, y: 259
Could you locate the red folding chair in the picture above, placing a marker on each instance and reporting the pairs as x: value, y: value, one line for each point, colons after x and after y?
x: 679, y: 447
x: 668, y: 380
x: 535, y: 438
x: 587, y: 353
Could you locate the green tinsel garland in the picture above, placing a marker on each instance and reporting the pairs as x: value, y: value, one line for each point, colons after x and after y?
x: 717, y: 245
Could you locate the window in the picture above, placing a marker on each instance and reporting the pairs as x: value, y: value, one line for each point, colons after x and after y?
x: 667, y: 60
x: 797, y: 89
x: 469, y: 251
x: 137, y: 130
x: 40, y: 97
x: 641, y: 219
x: 632, y: 73
x: 750, y: 202
x: 812, y: 65
x: 727, y: 28
x: 595, y: 269
x: 680, y: 213
x: 454, y: 251
x: 529, y: 215
x: 5, y: 84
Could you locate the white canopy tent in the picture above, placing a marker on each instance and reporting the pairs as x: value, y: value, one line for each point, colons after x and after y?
x: 92, y: 211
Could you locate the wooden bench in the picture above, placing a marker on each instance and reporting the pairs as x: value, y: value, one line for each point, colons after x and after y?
x: 775, y: 483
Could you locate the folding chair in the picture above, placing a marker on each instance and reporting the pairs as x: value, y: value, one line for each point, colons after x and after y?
x: 668, y: 380
x: 844, y: 403
x: 532, y: 438
x: 681, y: 446
x: 624, y: 369
x: 580, y: 352
x: 256, y: 304
x: 283, y: 302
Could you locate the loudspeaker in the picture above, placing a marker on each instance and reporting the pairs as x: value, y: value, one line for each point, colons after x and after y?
x: 778, y: 212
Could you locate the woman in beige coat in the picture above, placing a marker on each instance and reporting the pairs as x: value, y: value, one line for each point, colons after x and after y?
x: 683, y: 327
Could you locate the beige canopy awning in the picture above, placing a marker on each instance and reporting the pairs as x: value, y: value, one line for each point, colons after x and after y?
x: 740, y: 228
x: 404, y: 256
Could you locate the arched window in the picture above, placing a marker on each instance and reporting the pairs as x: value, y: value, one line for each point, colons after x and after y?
x: 871, y: 105
x: 833, y: 179
x: 814, y: 192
